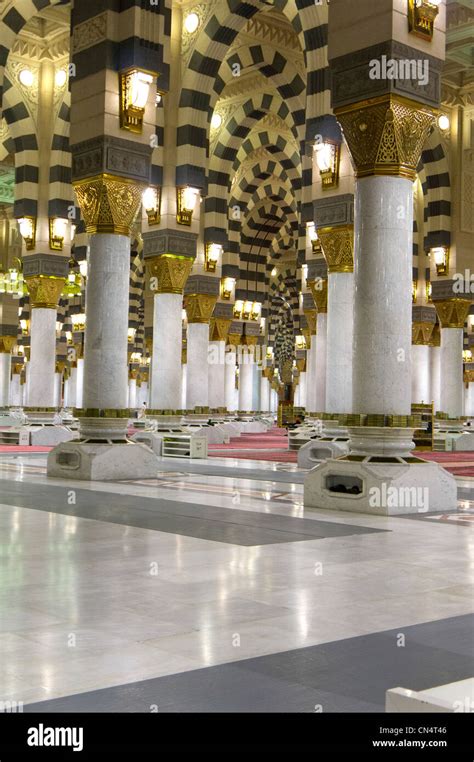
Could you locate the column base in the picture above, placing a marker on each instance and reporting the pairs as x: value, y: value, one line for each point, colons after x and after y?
x: 465, y: 442
x: 318, y: 450
x: 102, y: 462
x: 380, y: 488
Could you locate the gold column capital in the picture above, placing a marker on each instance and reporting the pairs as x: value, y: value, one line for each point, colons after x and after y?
x: 219, y: 329
x: 311, y: 318
x: 44, y: 290
x: 422, y: 333
x: 337, y: 244
x: 199, y: 307
x: 6, y: 344
x: 60, y: 366
x: 469, y: 376
x: 268, y: 373
x: 301, y: 365
x: 386, y: 135
x: 249, y: 341
x: 436, y: 336
x: 307, y: 336
x: 109, y: 203
x: 171, y: 272
x: 452, y: 313
x: 234, y: 339
x: 319, y: 291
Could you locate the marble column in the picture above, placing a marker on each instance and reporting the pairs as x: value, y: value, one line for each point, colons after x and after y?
x: 264, y: 392
x: 184, y: 378
x: 132, y: 393
x: 424, y: 319
x: 337, y: 244
x: 246, y: 368
x: 57, y: 390
x: 44, y: 296
x: 16, y: 391
x: 218, y: 332
x: 170, y: 271
x: 469, y: 391
x: 452, y: 314
x: 199, y: 308
x: 302, y: 389
x: 230, y: 367
x: 319, y: 290
x: 435, y: 367
x: 6, y: 345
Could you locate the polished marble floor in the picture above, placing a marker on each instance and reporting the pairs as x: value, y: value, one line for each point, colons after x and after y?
x: 207, y: 565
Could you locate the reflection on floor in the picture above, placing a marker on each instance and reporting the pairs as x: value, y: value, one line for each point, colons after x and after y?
x: 214, y: 575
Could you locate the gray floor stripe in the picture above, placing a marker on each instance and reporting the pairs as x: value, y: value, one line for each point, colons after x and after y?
x: 216, y: 469
x: 205, y: 522
x: 344, y: 676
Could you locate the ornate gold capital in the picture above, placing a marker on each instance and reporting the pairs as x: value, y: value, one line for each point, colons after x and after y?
x: 108, y: 203
x: 44, y: 290
x: 453, y: 313
x: 199, y: 307
x: 312, y: 320
x: 301, y: 365
x: 307, y: 335
x: 234, y: 339
x: 421, y: 333
x: 386, y: 135
x: 171, y: 272
x: 436, y: 336
x: 469, y: 376
x: 268, y: 373
x: 219, y: 329
x: 6, y: 344
x: 249, y: 341
x: 337, y: 244
x: 60, y: 366
x: 319, y: 290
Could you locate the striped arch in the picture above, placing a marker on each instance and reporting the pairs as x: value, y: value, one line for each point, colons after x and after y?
x: 24, y: 146
x: 437, y: 190
x: 13, y: 19
x: 61, y: 196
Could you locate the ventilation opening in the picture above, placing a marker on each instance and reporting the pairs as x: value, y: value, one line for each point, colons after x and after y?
x: 381, y: 459
x: 321, y: 453
x: 344, y: 485
x: 68, y: 459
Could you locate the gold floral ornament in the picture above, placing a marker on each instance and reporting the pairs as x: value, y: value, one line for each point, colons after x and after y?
x: 109, y: 204
x: 319, y: 291
x: 199, y: 307
x: 422, y: 333
x: 44, y: 290
x: 452, y: 313
x: 337, y: 244
x: 219, y: 329
x: 386, y: 135
x: 171, y: 272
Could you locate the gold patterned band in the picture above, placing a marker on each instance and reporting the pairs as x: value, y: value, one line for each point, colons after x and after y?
x: 199, y: 307
x: 108, y: 203
x: 337, y: 244
x: 44, y: 290
x: 453, y: 313
x: 386, y: 135
x: 6, y: 344
x: 171, y: 272
x: 422, y: 333
x: 219, y: 329
x: 319, y: 291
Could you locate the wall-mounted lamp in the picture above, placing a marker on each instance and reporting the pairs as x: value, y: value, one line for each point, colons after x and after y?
x: 467, y: 355
x: 300, y: 342
x: 57, y: 233
x: 429, y: 291
x: 25, y: 327
x: 414, y: 291
x: 227, y: 288
x: 328, y: 156
x: 440, y: 256
x: 444, y: 122
x: 69, y: 337
x: 256, y: 311
x: 28, y: 231
x: 26, y: 77
x: 421, y: 17
x: 247, y: 309
x: 134, y: 91
x: 185, y: 203
x: 274, y: 272
x: 313, y: 237
x: 238, y: 307
x: 131, y: 335
x: 151, y: 200
x: 78, y: 321
x: 212, y: 252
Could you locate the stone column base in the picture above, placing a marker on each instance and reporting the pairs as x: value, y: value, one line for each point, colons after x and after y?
x: 102, y: 462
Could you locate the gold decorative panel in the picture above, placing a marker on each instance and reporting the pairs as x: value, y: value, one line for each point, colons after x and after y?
x: 386, y: 135
x: 422, y: 333
x: 319, y: 290
x: 219, y: 329
x: 199, y: 307
x: 44, y: 290
x: 171, y: 272
x: 453, y: 313
x: 338, y: 248
x: 109, y: 204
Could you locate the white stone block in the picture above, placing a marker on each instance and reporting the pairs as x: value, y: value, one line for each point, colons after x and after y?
x: 102, y: 462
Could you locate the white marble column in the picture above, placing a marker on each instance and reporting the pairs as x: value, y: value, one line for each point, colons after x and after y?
x: 216, y: 369
x: 319, y: 379
x: 16, y: 391
x: 80, y: 383
x: 339, y: 342
x: 106, y: 342
x: 57, y: 390
x: 246, y: 382
x: 435, y: 375
x: 42, y: 362
x: 312, y: 375
x: 5, y: 370
x: 383, y: 295
x: 421, y: 372
x: 230, y: 364
x: 132, y: 393
x: 274, y: 401
x: 184, y: 377
x: 451, y: 371
x: 166, y: 362
x: 469, y: 400
x: 302, y: 389
x: 72, y: 387
x: 197, y: 382
x: 264, y: 394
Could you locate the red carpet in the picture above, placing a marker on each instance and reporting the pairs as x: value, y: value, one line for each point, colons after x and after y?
x: 457, y: 463
x: 270, y: 446
x: 23, y: 448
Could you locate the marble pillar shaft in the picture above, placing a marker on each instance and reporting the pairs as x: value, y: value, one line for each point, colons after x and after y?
x: 106, y: 341
x: 42, y: 364
x: 320, y: 341
x: 451, y: 372
x: 197, y: 382
x: 5, y: 371
x: 421, y: 373
x: 216, y: 360
x: 166, y: 363
x: 230, y: 396
x: 435, y: 376
x: 383, y: 295
x: 246, y: 383
x: 339, y: 342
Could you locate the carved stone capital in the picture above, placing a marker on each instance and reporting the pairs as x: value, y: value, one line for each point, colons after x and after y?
x: 44, y: 291
x: 6, y: 344
x: 311, y: 319
x: 422, y: 333
x: 108, y: 203
x: 453, y: 313
x: 171, y: 272
x: 199, y: 307
x: 219, y: 329
x: 386, y: 135
x: 338, y: 248
x: 319, y: 290
x: 469, y: 376
x: 436, y: 336
x: 234, y: 339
